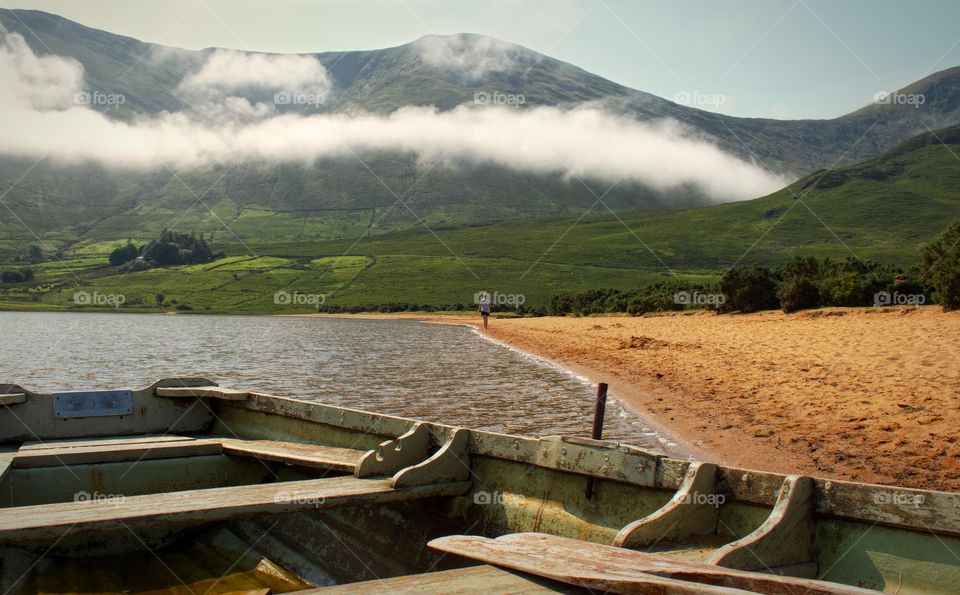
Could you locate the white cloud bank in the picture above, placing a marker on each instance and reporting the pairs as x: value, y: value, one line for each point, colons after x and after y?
x: 35, y: 82
x: 584, y: 141
x: 472, y: 55
x: 229, y: 70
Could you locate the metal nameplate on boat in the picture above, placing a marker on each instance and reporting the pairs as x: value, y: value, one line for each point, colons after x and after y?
x: 93, y: 403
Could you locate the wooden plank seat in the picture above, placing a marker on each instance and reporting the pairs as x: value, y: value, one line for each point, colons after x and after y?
x: 295, y: 453
x: 6, y: 462
x: 12, y: 398
x: 51, y: 521
x: 474, y: 579
x: 621, y: 570
x: 209, y: 392
x: 110, y: 451
x: 136, y: 448
x: 107, y: 441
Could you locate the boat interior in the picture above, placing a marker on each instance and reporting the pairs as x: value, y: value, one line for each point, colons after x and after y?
x: 189, y: 487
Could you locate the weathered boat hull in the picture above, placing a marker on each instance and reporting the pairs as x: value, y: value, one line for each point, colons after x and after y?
x: 229, y: 490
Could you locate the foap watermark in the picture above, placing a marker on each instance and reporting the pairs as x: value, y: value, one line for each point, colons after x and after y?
x: 498, y: 98
x: 715, y: 500
x: 900, y: 498
x: 299, y: 98
x: 695, y: 298
x: 298, y: 499
x: 285, y: 298
x: 699, y: 98
x: 96, y: 98
x: 895, y: 298
x: 895, y: 98
x: 95, y: 298
x: 501, y: 299
x: 483, y: 498
x: 85, y: 496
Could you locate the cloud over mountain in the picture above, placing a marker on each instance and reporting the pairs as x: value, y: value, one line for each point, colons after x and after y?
x: 224, y: 125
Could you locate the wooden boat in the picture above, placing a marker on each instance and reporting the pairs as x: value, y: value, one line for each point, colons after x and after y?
x: 187, y: 487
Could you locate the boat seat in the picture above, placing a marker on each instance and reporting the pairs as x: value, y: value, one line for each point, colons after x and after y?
x: 295, y: 453
x: 51, y: 521
x: 474, y: 579
x: 138, y: 448
x: 609, y: 568
x: 206, y: 392
x: 6, y: 461
x: 111, y: 450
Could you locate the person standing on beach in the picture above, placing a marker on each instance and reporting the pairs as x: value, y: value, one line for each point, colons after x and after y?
x: 484, y: 308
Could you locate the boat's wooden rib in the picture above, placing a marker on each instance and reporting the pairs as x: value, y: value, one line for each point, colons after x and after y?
x: 199, y: 506
x: 295, y: 453
x: 620, y: 570
x: 486, y: 579
x: 208, y: 392
x: 98, y: 453
x: 450, y: 463
x: 691, y: 511
x: 393, y: 455
x: 786, y: 537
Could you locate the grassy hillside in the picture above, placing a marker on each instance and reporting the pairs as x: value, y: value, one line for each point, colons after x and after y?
x: 883, y: 209
x: 70, y: 207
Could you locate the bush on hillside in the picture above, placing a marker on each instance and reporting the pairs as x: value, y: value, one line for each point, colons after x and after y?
x: 800, y: 293
x: 170, y: 249
x: 17, y: 276
x: 124, y: 254
x: 749, y: 289
x: 941, y: 267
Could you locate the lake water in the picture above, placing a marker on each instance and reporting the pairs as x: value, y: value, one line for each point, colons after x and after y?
x: 444, y: 373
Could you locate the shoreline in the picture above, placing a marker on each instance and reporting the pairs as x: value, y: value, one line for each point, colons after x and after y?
x: 672, y: 443
x: 847, y: 393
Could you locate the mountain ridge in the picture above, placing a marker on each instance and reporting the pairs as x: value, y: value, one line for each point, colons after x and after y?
x: 64, y: 205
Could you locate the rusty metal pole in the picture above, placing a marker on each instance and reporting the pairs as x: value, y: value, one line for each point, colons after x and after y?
x: 597, y: 433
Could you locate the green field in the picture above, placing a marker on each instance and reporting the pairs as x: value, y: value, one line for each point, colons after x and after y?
x: 884, y: 210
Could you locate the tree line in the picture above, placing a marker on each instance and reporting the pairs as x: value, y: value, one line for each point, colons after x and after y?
x: 803, y: 283
x: 170, y: 249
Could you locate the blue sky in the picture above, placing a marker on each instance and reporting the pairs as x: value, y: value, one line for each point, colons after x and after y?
x: 758, y: 58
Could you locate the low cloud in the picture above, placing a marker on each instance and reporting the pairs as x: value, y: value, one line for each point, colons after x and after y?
x: 220, y: 88
x: 472, y: 56
x: 586, y: 141
x: 35, y: 82
x: 228, y: 71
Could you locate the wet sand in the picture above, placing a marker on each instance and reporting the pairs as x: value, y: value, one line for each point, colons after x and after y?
x: 862, y: 394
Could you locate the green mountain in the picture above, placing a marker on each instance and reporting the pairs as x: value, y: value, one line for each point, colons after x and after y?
x: 78, y: 206
x: 882, y: 209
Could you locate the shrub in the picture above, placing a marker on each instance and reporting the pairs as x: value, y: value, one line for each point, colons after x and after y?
x: 17, y: 276
x: 124, y: 254
x: 941, y: 267
x: 799, y: 294
x: 560, y: 305
x: 749, y: 289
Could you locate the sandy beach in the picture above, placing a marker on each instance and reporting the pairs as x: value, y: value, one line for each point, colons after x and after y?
x: 863, y: 394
